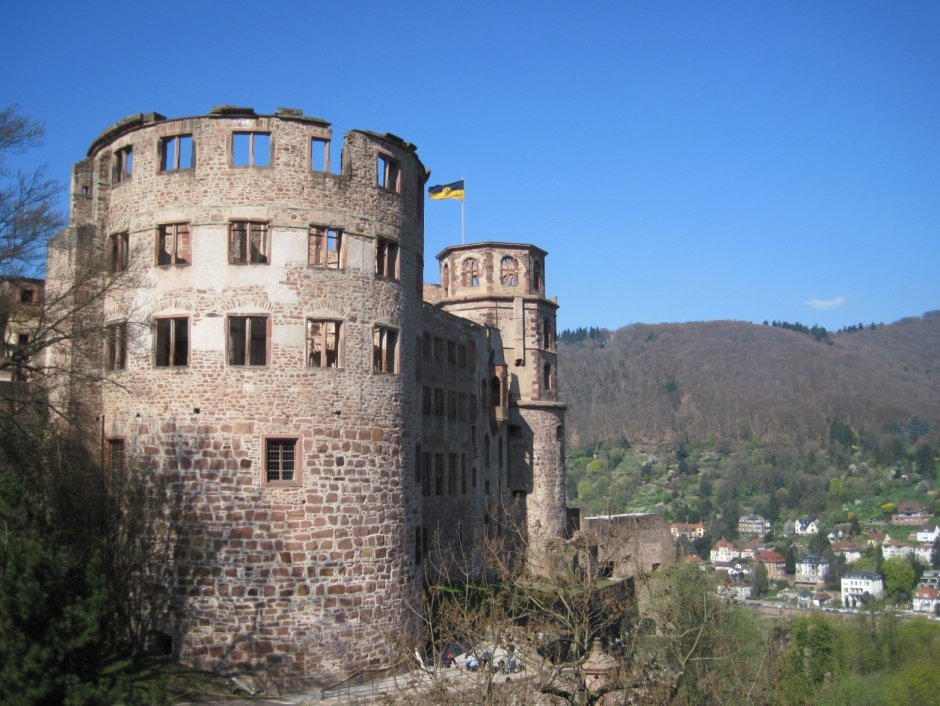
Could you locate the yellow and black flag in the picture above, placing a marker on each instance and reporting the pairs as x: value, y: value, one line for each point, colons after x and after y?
x: 446, y: 191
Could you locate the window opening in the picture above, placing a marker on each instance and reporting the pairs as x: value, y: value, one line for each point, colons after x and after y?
x: 471, y: 273
x: 384, y: 341
x: 172, y: 347
x: 173, y: 244
x: 508, y: 271
x: 324, y: 247
x: 119, y: 247
x: 247, y: 340
x: 176, y: 153
x: 280, y: 459
x: 426, y: 400
x: 28, y: 296
x: 388, y: 173
x: 117, y: 346
x: 123, y: 164
x: 547, y: 376
x: 463, y: 474
x: 426, y: 475
x: 386, y: 258
x: 319, y: 154
x: 451, y: 352
x: 548, y: 333
x: 248, y: 243
x: 438, y: 402
x: 439, y: 474
x: 452, y: 475
x: 323, y: 344
x: 536, y: 277
x: 251, y: 149
x: 117, y: 456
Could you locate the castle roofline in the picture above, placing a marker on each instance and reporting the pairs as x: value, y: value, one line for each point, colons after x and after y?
x: 139, y: 120
x: 489, y: 244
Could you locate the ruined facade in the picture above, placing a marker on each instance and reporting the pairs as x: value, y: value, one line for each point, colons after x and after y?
x: 336, y: 431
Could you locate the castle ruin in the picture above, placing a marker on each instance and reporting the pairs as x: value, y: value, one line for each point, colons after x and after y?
x: 334, y: 428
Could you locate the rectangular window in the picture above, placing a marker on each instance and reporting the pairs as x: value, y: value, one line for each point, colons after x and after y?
x: 28, y: 296
x: 172, y: 342
x: 462, y: 406
x: 119, y: 245
x: 248, y: 243
x: 173, y: 244
x: 176, y: 153
x: 247, y: 340
x: 122, y: 165
x: 451, y: 352
x: 387, y: 173
x: 451, y: 404
x: 452, y: 475
x: 386, y: 258
x: 438, y: 402
x: 463, y: 474
x: 324, y: 349
x: 426, y: 346
x: 439, y: 349
x: 384, y: 344
x: 319, y: 154
x: 251, y: 149
x: 426, y: 476
x: 117, y: 456
x: 438, y: 474
x: 324, y: 247
x: 462, y: 356
x: 116, y: 356
x: 426, y: 400
x: 280, y: 459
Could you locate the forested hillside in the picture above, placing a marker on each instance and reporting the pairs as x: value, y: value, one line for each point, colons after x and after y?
x: 733, y: 380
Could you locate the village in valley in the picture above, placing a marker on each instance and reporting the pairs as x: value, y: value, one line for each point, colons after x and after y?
x: 841, y: 569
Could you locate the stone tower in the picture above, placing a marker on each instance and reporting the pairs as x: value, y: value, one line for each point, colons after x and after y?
x: 502, y: 286
x: 335, y: 431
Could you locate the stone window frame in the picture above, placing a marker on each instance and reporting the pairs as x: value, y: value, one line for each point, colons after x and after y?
x: 281, y: 443
x: 244, y: 255
x: 319, y: 252
x: 122, y: 164
x: 115, y: 455
x: 172, y: 149
x: 508, y: 271
x: 387, y: 172
x: 387, y: 259
x: 181, y: 250
x: 385, y: 349
x: 536, y: 276
x: 119, y: 247
x: 253, y: 154
x: 170, y: 341
x: 116, y: 346
x: 548, y: 377
x: 470, y: 273
x: 324, y: 154
x: 29, y: 295
x: 250, y: 333
x: 339, y: 340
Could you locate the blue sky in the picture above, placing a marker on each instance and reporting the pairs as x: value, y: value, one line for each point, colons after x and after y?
x: 680, y: 161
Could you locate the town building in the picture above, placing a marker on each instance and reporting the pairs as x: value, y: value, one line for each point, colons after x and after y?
x: 859, y: 587
x: 754, y: 525
x: 848, y: 550
x: 691, y: 531
x: 335, y: 430
x: 910, y: 513
x: 811, y: 570
x: 926, y: 599
x: 774, y: 562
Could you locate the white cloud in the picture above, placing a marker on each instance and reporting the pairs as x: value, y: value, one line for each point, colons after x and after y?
x: 823, y: 304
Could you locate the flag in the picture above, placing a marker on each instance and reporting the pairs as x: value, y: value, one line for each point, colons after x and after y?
x: 447, y: 191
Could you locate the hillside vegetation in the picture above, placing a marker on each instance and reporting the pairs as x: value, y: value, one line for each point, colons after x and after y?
x: 666, y: 383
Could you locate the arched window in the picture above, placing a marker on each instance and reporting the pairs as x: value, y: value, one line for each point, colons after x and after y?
x: 536, y: 277
x: 508, y: 271
x: 471, y: 273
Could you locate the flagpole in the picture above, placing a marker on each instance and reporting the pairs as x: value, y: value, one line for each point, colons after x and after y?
x: 462, y: 202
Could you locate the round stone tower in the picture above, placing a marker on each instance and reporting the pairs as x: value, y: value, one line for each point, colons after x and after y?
x: 502, y: 285
x: 260, y: 344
